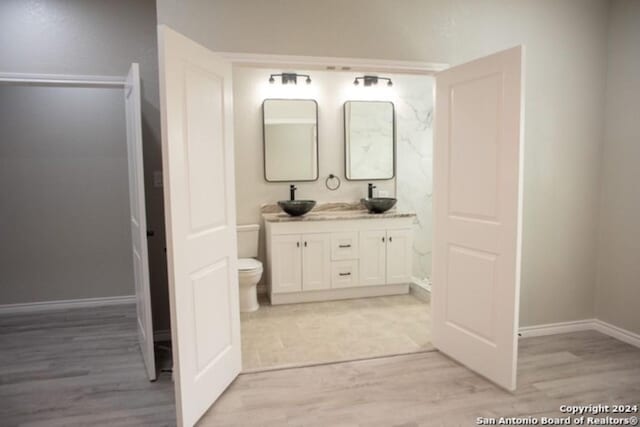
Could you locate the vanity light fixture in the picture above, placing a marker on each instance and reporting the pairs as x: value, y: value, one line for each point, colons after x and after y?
x: 289, y: 78
x: 371, y: 80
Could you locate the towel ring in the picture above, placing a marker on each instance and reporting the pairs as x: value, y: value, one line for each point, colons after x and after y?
x: 335, y: 185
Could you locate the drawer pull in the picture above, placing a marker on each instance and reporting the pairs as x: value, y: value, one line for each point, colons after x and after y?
x: 344, y: 274
x: 344, y: 246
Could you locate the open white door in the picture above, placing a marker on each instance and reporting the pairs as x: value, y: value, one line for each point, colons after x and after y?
x: 139, y: 218
x: 477, y: 214
x: 197, y: 152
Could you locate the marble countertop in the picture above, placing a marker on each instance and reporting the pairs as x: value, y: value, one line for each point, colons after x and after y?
x: 332, y: 215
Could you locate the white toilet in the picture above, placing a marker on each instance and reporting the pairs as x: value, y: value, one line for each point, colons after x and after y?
x: 249, y: 268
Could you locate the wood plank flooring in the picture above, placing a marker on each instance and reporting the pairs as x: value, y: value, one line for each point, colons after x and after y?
x: 430, y: 389
x: 78, y: 367
x: 82, y: 367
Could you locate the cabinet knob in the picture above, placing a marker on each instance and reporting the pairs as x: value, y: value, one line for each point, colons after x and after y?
x: 383, y: 240
x: 305, y: 244
x: 298, y: 244
x: 390, y: 239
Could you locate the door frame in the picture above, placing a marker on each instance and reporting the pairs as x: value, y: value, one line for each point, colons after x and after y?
x: 342, y: 64
x: 253, y: 60
x: 87, y: 81
x: 64, y: 79
x: 261, y: 60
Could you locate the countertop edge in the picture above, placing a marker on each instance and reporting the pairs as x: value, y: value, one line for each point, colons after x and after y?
x: 334, y: 216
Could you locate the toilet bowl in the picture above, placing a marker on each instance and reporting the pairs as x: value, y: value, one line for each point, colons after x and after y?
x: 249, y: 274
x: 249, y: 268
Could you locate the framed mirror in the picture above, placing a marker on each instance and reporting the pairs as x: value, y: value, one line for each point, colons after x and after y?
x: 369, y: 140
x: 290, y: 137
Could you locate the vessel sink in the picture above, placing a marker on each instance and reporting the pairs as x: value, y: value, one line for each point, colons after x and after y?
x: 379, y: 204
x: 296, y: 207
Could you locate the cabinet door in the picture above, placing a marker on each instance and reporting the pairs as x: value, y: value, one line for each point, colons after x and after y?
x: 286, y: 264
x: 372, y: 257
x: 399, y: 256
x: 316, y: 261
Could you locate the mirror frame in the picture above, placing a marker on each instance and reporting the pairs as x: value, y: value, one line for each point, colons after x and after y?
x: 264, y: 142
x: 344, y: 126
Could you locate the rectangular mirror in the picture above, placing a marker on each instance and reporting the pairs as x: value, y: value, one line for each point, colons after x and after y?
x: 290, y: 133
x: 370, y: 140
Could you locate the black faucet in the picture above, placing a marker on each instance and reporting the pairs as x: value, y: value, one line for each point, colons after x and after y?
x: 292, y: 192
x: 370, y: 192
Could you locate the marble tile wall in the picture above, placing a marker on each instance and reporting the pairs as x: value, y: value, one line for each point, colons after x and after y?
x: 369, y: 138
x: 414, y: 115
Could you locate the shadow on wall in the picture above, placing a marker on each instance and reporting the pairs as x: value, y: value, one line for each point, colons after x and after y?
x: 152, y: 147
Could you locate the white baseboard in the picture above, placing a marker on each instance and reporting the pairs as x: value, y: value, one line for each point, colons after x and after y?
x: 617, y: 333
x: 162, y: 335
x: 34, y: 307
x: 340, y: 293
x: 420, y: 289
x: 421, y: 283
x: 557, y: 328
x: 582, y: 325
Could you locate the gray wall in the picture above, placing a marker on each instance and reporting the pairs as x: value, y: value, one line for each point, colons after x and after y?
x: 64, y: 204
x: 565, y: 79
x: 100, y: 38
x: 618, y: 291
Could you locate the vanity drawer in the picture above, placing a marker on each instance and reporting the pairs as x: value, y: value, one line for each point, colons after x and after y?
x: 344, y: 274
x: 344, y: 246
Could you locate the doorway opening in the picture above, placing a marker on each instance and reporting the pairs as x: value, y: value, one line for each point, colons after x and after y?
x: 479, y: 139
x: 339, y: 327
x: 76, y: 221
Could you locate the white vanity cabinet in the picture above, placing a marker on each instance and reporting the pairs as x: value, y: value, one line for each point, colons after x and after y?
x: 399, y: 255
x: 386, y: 256
x: 316, y: 261
x: 286, y: 262
x: 300, y: 262
x: 373, y: 257
x: 320, y: 257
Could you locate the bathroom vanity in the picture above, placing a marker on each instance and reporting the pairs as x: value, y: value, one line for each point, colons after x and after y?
x: 330, y: 255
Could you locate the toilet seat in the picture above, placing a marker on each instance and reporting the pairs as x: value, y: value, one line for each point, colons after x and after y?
x: 249, y: 264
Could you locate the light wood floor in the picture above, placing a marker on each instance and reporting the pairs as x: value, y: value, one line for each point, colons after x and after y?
x: 83, y: 367
x: 430, y: 389
x: 332, y: 331
x: 79, y: 367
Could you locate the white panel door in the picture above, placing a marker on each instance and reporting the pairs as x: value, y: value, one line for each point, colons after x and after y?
x: 286, y: 263
x: 372, y: 257
x: 316, y: 261
x: 399, y: 256
x: 197, y: 151
x: 139, y: 218
x: 477, y: 214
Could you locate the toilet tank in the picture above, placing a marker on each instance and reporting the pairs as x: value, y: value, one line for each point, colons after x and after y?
x: 248, y: 240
